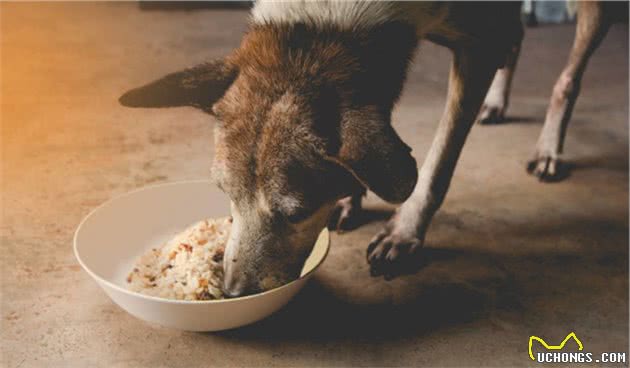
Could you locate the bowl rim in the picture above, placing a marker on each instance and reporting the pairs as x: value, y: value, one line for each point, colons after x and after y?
x: 118, y: 288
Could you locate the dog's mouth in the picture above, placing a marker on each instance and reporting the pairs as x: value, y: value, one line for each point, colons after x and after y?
x: 235, y: 289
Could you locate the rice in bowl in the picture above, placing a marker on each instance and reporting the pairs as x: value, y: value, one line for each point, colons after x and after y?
x: 188, y: 267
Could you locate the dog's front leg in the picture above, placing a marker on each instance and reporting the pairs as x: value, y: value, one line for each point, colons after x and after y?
x: 347, y: 213
x: 395, y: 247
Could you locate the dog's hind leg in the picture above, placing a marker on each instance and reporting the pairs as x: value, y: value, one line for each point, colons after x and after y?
x: 393, y: 250
x: 592, y: 25
x: 496, y: 103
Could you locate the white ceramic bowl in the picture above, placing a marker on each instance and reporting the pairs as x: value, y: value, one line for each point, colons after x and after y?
x: 115, y: 234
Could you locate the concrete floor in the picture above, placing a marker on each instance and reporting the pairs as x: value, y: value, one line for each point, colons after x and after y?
x: 510, y: 257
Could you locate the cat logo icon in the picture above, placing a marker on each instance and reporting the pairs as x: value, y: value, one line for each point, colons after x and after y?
x: 554, y: 347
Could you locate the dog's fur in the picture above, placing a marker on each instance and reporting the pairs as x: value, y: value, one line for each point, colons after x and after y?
x: 304, y: 108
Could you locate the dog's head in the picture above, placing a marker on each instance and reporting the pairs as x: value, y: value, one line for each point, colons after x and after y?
x: 292, y: 138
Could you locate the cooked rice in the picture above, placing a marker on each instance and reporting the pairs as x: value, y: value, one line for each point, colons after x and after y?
x: 188, y: 267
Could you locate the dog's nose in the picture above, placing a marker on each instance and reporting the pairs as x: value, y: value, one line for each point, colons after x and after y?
x: 233, y: 287
x: 233, y: 293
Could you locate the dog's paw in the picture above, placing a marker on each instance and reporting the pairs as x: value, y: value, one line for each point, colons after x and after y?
x: 491, y: 114
x: 392, y: 252
x: 346, y: 215
x: 547, y: 168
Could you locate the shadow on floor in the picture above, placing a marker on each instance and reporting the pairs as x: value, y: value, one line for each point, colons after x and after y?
x: 564, y: 169
x: 455, y: 287
x: 363, y: 217
x: 319, y: 313
x: 519, y: 120
x: 456, y: 283
x: 613, y: 162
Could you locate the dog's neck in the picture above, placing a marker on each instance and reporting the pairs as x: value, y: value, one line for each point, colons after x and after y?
x: 347, y: 14
x: 343, y: 14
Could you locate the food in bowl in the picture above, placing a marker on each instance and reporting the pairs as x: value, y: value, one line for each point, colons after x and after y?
x: 187, y: 267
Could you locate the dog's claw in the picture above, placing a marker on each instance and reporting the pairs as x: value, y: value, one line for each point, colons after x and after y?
x: 545, y: 168
x: 347, y: 213
x: 346, y: 219
x: 391, y: 253
x: 491, y: 115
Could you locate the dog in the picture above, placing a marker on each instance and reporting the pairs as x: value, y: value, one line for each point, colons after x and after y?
x: 303, y: 109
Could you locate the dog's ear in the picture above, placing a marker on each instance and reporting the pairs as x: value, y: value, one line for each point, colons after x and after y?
x: 372, y: 150
x: 200, y: 86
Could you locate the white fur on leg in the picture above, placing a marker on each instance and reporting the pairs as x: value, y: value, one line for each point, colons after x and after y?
x: 544, y: 165
x: 564, y: 94
x: 416, y: 212
x: 591, y: 29
x: 495, y: 104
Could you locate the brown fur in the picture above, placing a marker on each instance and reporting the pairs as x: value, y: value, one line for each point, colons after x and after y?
x: 305, y: 113
x: 300, y: 85
x: 304, y: 122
